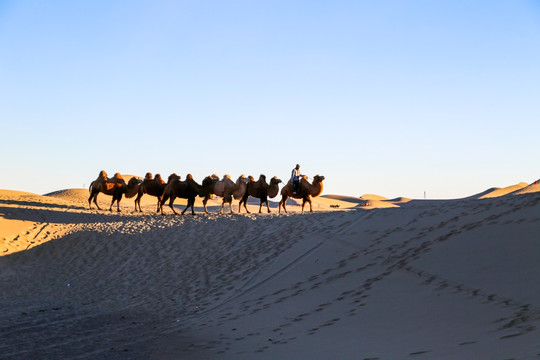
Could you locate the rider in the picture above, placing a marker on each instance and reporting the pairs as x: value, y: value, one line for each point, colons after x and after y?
x: 295, y: 178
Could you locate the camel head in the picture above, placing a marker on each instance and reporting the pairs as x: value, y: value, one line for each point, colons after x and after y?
x: 207, y: 186
x: 275, y: 180
x: 173, y: 177
x: 209, y: 180
x: 318, y: 178
x: 132, y: 187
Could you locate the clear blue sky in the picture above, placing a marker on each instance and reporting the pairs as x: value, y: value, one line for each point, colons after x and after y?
x: 387, y: 97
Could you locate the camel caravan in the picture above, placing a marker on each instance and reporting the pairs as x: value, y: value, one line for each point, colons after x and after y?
x: 189, y: 189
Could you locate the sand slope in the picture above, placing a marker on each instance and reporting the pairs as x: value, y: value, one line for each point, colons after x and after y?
x: 533, y: 188
x: 430, y: 279
x: 495, y: 192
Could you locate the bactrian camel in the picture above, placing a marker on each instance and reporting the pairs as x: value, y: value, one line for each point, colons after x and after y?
x: 209, y: 184
x: 305, y: 192
x: 115, y: 187
x: 152, y: 186
x: 226, y: 189
x: 187, y: 189
x: 260, y: 189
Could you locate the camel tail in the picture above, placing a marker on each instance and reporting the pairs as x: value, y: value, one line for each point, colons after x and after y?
x: 90, y: 187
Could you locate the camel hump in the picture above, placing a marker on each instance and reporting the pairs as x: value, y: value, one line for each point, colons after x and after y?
x: 251, y: 178
x: 214, y: 176
x: 102, y: 174
x: 148, y: 176
x: 226, y: 176
x: 118, y: 176
x: 158, y: 177
x: 189, y: 177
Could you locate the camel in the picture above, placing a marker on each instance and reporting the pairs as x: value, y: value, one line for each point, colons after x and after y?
x: 115, y: 187
x: 305, y: 192
x: 209, y: 184
x: 187, y: 189
x: 133, y: 187
x: 151, y: 186
x: 260, y: 189
x: 228, y: 189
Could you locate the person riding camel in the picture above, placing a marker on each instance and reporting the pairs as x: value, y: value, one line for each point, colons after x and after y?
x: 295, y: 179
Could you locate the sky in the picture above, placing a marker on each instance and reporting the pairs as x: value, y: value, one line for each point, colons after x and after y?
x: 394, y: 98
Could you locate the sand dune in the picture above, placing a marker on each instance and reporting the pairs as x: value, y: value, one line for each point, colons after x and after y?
x: 399, y: 200
x: 372, y: 197
x: 376, y: 204
x: 533, y: 188
x: 495, y: 192
x: 345, y: 198
x: 429, y: 279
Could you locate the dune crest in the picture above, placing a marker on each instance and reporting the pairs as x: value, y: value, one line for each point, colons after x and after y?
x: 528, y: 189
x: 372, y: 197
x: 496, y: 192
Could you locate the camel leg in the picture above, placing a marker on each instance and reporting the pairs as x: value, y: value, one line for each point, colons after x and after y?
x: 171, y: 202
x: 205, y: 200
x: 95, y: 195
x: 222, y: 206
x: 245, y: 205
x: 310, y: 206
x: 112, y: 203
x: 190, y: 204
x: 260, y: 207
x: 303, y: 203
x: 118, y: 203
x: 162, y: 201
x: 138, y: 201
x: 283, y: 202
x: 268, y: 206
x: 243, y: 201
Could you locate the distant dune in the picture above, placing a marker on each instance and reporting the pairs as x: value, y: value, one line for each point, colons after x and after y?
x: 377, y: 204
x: 400, y: 200
x: 76, y: 195
x: 346, y: 198
x: 372, y: 197
x: 529, y: 189
x: 496, y: 192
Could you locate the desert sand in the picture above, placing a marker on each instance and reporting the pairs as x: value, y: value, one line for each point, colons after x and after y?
x: 360, y: 278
